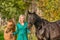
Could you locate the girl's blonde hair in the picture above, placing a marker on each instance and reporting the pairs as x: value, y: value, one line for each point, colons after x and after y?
x: 22, y: 15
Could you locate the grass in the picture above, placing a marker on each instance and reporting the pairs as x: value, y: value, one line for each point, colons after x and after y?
x: 31, y: 37
x: 1, y: 36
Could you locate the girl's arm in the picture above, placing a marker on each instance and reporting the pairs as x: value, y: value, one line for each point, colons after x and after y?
x: 28, y: 31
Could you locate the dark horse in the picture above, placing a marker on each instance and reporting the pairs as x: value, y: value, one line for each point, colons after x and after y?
x: 45, y: 30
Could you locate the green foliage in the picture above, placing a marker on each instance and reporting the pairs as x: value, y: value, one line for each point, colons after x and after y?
x: 51, y: 9
x: 12, y: 8
x: 1, y: 35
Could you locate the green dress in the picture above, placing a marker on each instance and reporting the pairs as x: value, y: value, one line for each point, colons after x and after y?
x: 22, y: 31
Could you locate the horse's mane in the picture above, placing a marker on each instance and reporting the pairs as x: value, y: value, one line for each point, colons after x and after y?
x: 39, y: 21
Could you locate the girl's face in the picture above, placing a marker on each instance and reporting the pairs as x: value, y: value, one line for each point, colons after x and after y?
x: 22, y: 18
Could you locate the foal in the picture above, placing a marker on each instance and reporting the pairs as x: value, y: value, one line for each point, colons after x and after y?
x: 10, y: 28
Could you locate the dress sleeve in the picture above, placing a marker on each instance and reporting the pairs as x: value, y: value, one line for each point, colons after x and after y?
x: 28, y: 31
x: 17, y: 30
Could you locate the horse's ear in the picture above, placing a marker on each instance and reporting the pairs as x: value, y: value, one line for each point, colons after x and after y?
x: 29, y: 12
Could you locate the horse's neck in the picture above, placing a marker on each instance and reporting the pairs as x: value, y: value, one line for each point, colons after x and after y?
x: 40, y: 22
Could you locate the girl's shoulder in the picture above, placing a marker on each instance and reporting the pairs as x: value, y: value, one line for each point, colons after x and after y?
x: 18, y: 24
x: 24, y: 22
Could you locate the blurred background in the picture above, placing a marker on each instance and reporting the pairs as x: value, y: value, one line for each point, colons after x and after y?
x: 47, y: 9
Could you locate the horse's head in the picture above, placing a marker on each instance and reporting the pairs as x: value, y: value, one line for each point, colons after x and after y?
x: 31, y: 18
